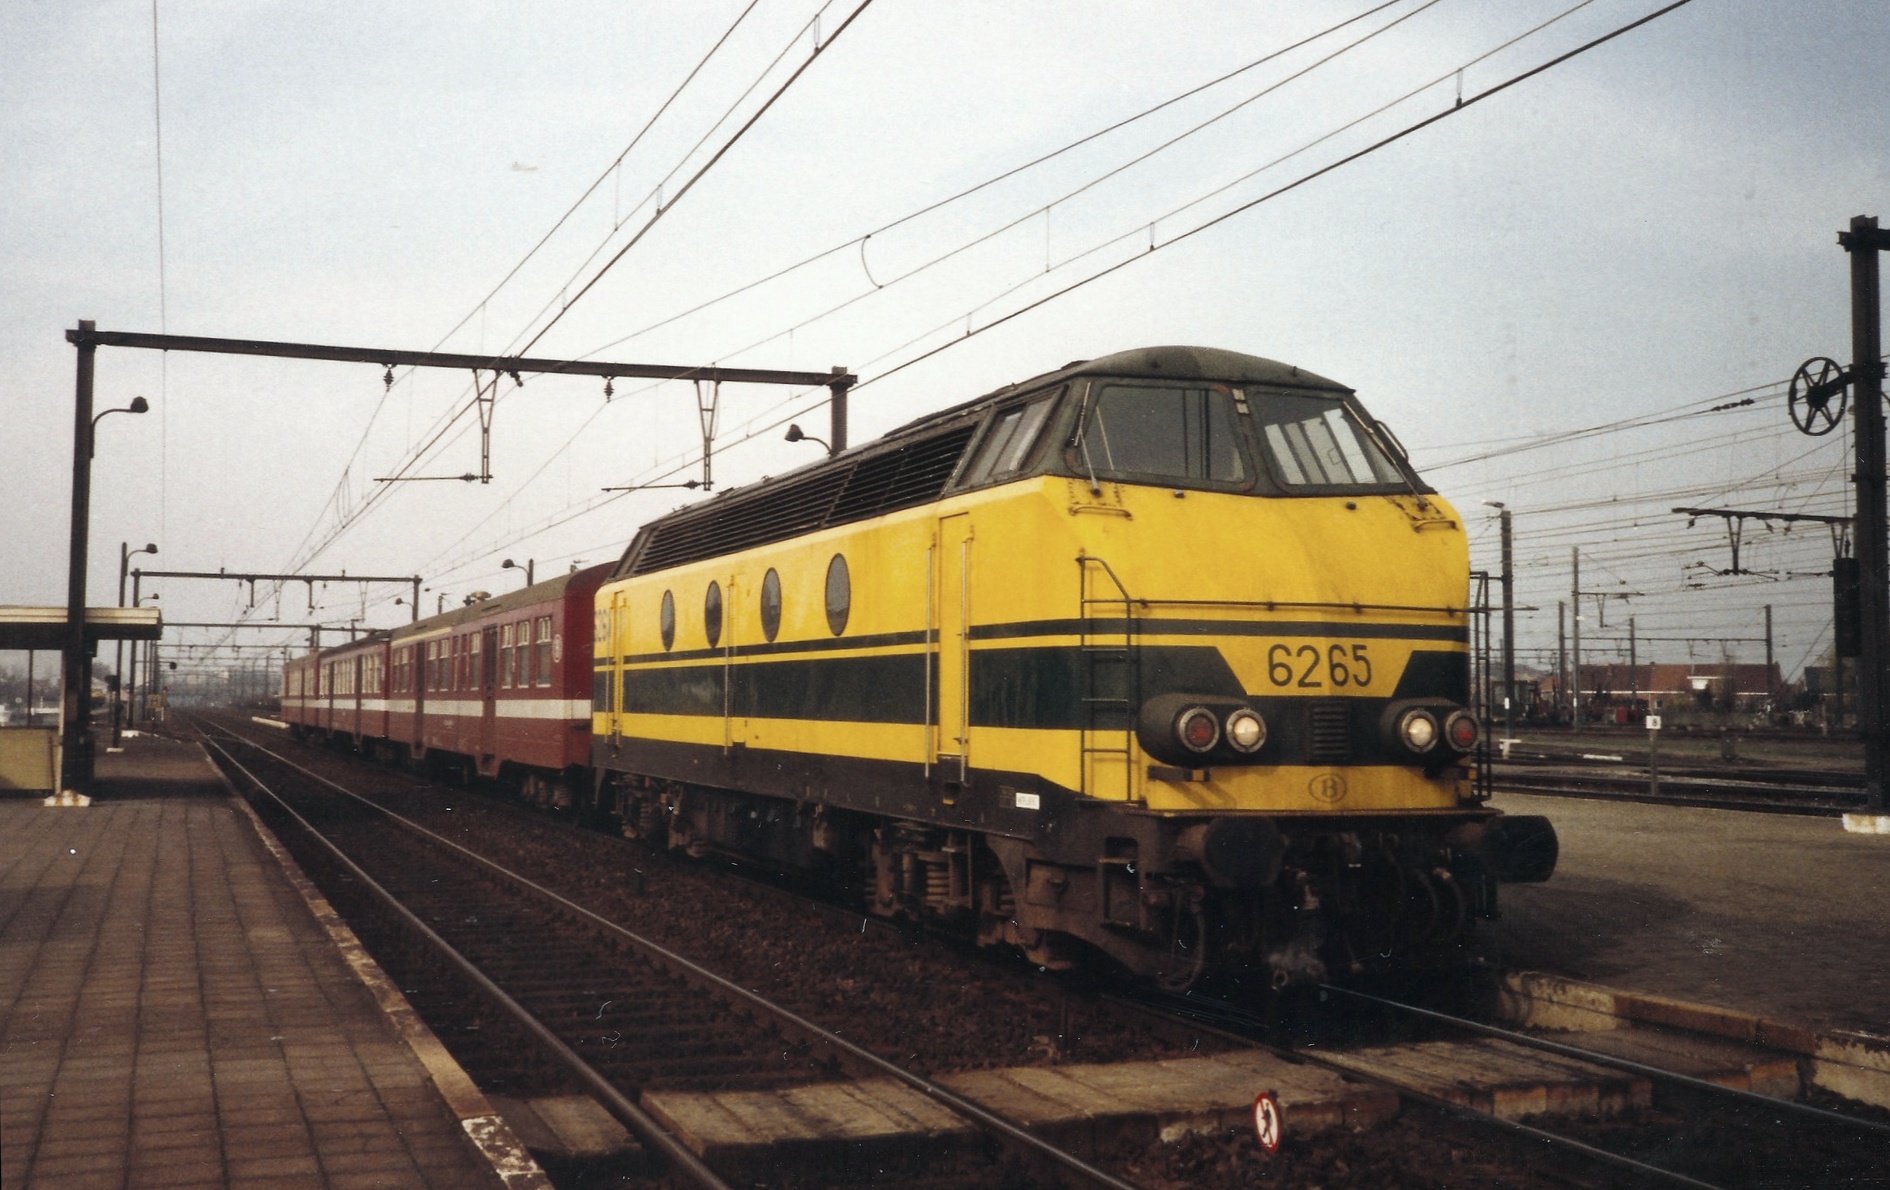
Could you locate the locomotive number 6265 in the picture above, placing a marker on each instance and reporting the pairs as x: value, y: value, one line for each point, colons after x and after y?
x: 1315, y: 667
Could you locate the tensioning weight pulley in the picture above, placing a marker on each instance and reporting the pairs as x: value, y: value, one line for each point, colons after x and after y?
x: 1810, y: 403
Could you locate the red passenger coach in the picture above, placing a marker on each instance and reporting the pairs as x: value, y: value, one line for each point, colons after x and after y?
x: 500, y: 688
x: 339, y: 691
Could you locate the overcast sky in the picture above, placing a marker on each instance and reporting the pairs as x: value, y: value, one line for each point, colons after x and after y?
x: 1646, y: 229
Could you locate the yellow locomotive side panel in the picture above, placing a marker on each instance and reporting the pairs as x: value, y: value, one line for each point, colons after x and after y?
x: 1343, y: 575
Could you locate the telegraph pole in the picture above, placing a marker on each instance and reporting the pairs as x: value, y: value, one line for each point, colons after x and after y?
x: 1633, y: 663
x: 1561, y: 655
x: 1771, y: 690
x: 1509, y: 630
x: 1575, y: 594
x: 1864, y: 241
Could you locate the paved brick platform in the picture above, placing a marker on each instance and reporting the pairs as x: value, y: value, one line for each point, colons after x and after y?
x: 172, y: 1013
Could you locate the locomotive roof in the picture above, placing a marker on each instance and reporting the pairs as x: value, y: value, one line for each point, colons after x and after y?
x: 1155, y: 363
x: 912, y: 464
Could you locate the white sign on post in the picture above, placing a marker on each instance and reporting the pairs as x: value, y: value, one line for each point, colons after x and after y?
x: 1653, y: 723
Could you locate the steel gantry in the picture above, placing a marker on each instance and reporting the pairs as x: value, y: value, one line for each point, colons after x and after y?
x: 86, y: 338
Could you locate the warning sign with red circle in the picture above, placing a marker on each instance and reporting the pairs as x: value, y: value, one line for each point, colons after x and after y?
x: 1266, y: 1121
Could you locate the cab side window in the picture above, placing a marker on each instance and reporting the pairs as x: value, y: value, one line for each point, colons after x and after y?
x: 1006, y: 446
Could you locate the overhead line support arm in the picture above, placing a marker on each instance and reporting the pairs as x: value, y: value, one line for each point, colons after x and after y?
x: 509, y: 364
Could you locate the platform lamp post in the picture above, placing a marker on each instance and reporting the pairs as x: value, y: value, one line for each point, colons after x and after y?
x: 508, y: 564
x: 76, y: 671
x: 150, y: 651
x: 796, y: 434
x: 125, y: 553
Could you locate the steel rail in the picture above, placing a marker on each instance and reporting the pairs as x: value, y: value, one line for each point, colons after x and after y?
x: 613, y: 1100
x: 1628, y: 789
x: 951, y: 1100
x: 1816, y: 1114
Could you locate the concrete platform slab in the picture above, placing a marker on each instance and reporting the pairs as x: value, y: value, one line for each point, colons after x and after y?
x: 1500, y: 1078
x: 173, y: 1012
x: 1071, y: 1105
x: 1773, y: 1057
x: 1769, y: 915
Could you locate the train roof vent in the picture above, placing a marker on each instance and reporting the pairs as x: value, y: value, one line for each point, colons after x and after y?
x: 854, y: 489
x: 913, y: 474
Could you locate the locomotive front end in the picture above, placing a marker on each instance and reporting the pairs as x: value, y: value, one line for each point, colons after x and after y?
x: 1256, y: 662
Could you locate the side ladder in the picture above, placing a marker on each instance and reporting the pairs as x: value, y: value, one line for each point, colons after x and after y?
x: 1109, y: 678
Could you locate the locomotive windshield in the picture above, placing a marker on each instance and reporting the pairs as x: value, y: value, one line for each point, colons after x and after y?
x: 1214, y: 436
x: 1316, y: 442
x: 1147, y: 431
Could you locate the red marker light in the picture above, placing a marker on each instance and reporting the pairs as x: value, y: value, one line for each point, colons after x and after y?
x: 1197, y: 729
x: 1461, y: 730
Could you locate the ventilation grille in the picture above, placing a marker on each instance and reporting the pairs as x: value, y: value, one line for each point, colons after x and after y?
x: 854, y: 490
x: 1329, y: 733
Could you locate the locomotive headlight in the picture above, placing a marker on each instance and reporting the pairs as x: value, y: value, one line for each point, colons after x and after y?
x: 1246, y: 731
x: 1418, y: 730
x: 1461, y: 731
x: 1198, y: 729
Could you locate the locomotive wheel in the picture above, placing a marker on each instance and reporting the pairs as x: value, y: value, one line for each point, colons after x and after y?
x: 1423, y: 908
x: 1187, y: 949
x: 1374, y: 928
x: 1454, y: 906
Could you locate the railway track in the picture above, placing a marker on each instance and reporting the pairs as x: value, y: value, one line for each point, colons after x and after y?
x: 1592, y: 1152
x: 1624, y: 776
x: 1676, y: 1128
x: 611, y: 1011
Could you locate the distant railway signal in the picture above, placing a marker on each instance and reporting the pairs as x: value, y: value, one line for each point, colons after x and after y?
x: 1810, y: 403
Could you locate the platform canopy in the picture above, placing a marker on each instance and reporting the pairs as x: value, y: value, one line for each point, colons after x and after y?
x: 45, y: 627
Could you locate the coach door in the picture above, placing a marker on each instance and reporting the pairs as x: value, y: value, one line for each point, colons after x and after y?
x: 952, y: 658
x: 486, y: 666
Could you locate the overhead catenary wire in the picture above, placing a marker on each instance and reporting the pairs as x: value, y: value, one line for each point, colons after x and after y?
x: 819, y: 49
x: 1184, y: 235
x: 416, y: 456
x: 532, y: 252
x: 1007, y: 174
x: 1205, y: 225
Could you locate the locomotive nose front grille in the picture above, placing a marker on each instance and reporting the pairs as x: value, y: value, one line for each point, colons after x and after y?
x: 1329, y: 732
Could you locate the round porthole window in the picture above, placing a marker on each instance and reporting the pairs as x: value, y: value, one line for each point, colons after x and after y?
x: 770, y: 604
x: 712, y: 614
x: 669, y: 620
x: 839, y: 594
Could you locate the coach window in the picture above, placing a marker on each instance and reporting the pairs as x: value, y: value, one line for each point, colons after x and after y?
x: 839, y: 594
x: 544, y: 651
x: 712, y: 614
x: 506, y: 635
x: 1007, y: 444
x: 669, y: 620
x: 770, y: 604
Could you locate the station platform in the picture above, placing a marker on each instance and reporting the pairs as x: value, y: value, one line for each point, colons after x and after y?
x: 179, y: 1008
x: 1781, y: 915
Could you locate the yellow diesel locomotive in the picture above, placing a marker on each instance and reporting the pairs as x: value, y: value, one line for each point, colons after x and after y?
x: 1163, y: 654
